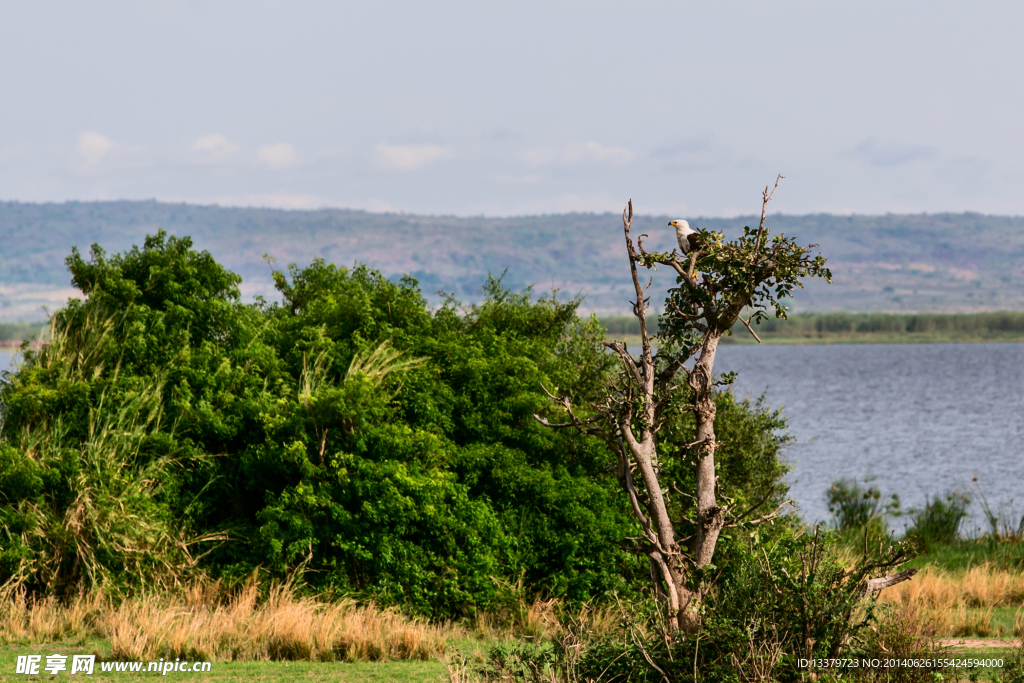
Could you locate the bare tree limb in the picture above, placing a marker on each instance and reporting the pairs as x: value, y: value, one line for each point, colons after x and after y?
x: 751, y: 509
x: 558, y: 425
x: 878, y: 584
x: 770, y: 516
x: 767, y: 197
x: 693, y: 264
x: 747, y: 323
x: 626, y: 359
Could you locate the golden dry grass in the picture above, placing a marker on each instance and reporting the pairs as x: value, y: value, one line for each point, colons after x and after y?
x: 961, y: 603
x: 204, y: 623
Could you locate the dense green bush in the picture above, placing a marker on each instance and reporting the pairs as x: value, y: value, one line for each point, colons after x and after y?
x: 940, y: 519
x: 383, y: 448
x: 854, y: 507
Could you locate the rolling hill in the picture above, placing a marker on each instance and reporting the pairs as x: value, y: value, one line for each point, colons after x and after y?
x: 927, y: 262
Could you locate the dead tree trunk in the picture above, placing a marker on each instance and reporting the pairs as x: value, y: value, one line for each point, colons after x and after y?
x: 746, y: 272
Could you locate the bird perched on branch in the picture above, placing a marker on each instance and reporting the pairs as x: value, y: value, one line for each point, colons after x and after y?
x: 686, y: 237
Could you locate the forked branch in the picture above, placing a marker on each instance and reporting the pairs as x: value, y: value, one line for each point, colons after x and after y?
x: 766, y: 197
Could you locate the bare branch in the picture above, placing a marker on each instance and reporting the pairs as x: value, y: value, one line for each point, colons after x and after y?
x: 770, y: 516
x: 749, y: 328
x: 578, y: 424
x: 626, y: 359
x: 767, y: 197
x: 323, y: 445
x: 634, y: 500
x: 693, y: 264
x: 550, y: 395
x: 680, y: 492
x: 751, y: 509
x: 673, y: 262
x: 667, y: 576
x: 886, y: 581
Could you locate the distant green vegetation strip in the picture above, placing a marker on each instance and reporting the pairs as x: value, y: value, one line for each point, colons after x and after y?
x: 14, y: 333
x: 863, y: 327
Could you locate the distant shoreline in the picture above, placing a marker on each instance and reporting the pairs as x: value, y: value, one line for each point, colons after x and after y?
x: 633, y: 341
x: 872, y: 339
x: 862, y: 328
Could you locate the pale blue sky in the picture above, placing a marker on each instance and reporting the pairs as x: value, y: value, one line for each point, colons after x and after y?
x: 512, y: 108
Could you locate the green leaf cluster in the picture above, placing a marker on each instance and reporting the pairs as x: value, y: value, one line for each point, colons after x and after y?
x: 756, y: 270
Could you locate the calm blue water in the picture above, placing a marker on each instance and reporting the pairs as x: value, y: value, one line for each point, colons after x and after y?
x: 924, y: 418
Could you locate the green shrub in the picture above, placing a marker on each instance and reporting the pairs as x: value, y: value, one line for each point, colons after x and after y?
x: 940, y: 519
x: 853, y: 507
x: 776, y: 602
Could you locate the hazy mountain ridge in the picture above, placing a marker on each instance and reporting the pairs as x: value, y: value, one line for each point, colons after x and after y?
x: 940, y: 262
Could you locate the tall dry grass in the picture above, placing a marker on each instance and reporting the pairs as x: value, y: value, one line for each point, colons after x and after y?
x: 203, y: 622
x: 961, y: 603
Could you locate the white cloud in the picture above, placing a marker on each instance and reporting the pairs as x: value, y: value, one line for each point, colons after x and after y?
x: 215, y: 146
x: 607, y: 155
x: 94, y: 146
x: 591, y: 153
x: 279, y: 155
x: 409, y: 157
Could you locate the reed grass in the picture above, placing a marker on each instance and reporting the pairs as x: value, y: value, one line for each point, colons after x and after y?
x: 204, y: 622
x: 964, y: 603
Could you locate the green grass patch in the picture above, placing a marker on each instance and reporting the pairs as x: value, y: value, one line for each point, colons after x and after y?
x: 964, y: 554
x: 1004, y: 620
x: 430, y: 671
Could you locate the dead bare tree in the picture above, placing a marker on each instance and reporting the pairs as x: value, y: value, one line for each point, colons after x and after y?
x: 722, y: 279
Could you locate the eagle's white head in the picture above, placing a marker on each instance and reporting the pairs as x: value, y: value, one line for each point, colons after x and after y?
x: 683, y: 232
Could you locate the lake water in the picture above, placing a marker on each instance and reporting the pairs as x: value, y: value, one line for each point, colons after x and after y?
x: 924, y: 418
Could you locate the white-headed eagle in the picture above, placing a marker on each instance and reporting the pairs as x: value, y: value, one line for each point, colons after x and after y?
x: 686, y: 237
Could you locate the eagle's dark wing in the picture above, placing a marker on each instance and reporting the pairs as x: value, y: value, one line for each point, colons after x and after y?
x: 694, y: 242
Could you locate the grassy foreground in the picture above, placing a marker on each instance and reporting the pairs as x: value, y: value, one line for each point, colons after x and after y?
x: 255, y: 633
x: 430, y: 671
x: 970, y: 598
